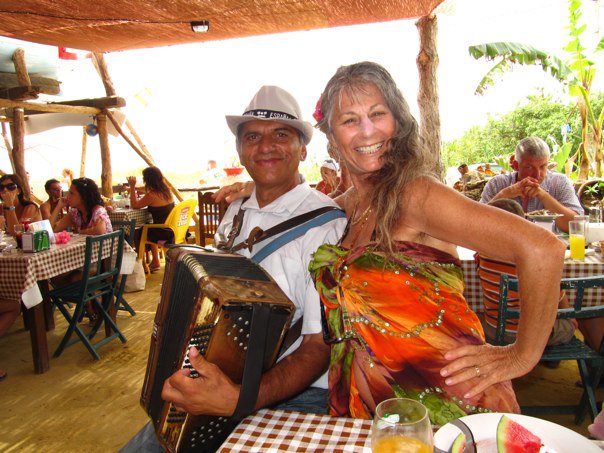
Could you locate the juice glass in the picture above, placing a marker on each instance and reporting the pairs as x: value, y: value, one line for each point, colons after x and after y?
x: 401, y: 425
x: 576, y: 232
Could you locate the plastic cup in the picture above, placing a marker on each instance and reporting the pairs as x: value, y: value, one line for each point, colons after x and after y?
x: 576, y: 232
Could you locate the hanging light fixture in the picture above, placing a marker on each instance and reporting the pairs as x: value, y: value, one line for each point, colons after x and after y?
x: 201, y: 26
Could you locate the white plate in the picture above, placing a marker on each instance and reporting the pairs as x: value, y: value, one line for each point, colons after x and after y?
x: 555, y: 438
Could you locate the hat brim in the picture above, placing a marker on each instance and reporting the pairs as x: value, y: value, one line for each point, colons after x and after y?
x: 234, y: 121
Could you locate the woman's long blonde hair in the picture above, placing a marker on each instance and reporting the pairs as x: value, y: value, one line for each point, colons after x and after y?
x: 404, y: 160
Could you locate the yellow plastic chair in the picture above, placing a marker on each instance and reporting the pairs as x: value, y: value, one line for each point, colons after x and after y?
x: 178, y: 221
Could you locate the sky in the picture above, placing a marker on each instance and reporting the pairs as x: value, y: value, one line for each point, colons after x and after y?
x: 189, y: 89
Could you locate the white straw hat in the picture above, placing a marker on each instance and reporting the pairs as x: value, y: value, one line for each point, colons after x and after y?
x: 331, y: 164
x: 272, y: 103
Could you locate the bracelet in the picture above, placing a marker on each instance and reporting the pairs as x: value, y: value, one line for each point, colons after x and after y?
x: 9, y: 208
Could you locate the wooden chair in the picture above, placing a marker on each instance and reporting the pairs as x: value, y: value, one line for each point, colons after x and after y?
x: 589, y: 361
x: 97, y: 286
x: 178, y: 221
x: 210, y: 215
x: 129, y: 227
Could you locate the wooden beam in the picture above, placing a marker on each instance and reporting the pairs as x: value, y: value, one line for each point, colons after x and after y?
x: 99, y: 103
x: 8, y: 145
x: 46, y: 84
x: 106, y: 175
x: 43, y: 107
x: 20, y: 93
x: 21, y: 67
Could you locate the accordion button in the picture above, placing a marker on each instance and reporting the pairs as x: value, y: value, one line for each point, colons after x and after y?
x: 258, y: 293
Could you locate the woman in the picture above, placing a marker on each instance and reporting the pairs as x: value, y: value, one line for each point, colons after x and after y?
x: 16, y: 206
x: 86, y: 213
x: 159, y: 202
x: 393, y: 287
x: 53, y: 189
x: 329, y: 177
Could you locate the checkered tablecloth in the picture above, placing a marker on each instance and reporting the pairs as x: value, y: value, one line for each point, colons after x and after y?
x: 283, y: 431
x: 593, y: 265
x: 141, y: 216
x: 20, y: 272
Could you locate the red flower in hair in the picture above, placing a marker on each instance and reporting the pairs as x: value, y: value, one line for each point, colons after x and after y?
x: 318, y: 115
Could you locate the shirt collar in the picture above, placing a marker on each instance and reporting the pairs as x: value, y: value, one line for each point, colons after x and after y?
x: 286, y: 203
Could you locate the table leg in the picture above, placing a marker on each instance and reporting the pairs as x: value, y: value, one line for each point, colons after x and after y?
x: 49, y: 316
x: 39, y: 342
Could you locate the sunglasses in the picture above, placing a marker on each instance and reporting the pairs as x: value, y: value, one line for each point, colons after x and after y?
x: 9, y: 186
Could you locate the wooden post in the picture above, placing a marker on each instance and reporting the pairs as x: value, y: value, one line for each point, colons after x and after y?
x: 427, y: 98
x: 106, y: 183
x: 83, y: 159
x: 8, y: 145
x: 18, y: 133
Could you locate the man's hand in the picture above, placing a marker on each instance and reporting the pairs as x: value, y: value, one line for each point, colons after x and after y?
x: 212, y: 393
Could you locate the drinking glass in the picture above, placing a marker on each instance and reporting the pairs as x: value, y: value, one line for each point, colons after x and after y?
x: 18, y: 233
x: 401, y: 424
x: 576, y: 232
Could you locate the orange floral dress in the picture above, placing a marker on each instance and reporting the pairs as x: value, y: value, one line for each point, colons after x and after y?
x: 390, y: 322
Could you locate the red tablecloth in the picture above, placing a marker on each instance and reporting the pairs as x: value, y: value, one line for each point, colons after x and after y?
x: 284, y: 431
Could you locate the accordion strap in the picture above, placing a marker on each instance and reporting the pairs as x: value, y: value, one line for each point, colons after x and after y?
x: 254, y: 361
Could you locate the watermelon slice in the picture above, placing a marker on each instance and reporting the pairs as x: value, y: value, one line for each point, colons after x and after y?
x: 459, y: 444
x: 514, y: 438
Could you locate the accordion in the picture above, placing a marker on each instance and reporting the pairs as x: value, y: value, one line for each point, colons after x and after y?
x: 235, y: 314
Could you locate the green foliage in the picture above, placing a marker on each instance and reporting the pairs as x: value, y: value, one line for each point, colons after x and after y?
x: 540, y: 116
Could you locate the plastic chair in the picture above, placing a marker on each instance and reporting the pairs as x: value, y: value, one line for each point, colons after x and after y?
x: 210, y: 215
x: 589, y: 361
x: 178, y: 221
x: 129, y: 227
x: 98, y: 283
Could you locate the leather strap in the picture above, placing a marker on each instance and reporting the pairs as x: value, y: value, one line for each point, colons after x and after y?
x: 293, y: 333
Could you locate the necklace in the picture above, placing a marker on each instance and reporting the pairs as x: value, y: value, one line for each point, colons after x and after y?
x: 363, y: 217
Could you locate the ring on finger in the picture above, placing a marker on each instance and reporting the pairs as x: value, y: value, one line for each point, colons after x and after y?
x: 477, y: 370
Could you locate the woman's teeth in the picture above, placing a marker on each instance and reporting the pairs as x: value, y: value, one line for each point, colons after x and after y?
x: 369, y: 149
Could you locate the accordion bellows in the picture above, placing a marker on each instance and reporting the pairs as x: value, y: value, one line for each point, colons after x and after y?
x: 208, y: 300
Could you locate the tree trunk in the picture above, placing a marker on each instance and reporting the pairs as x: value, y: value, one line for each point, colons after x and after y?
x: 9, y: 147
x: 18, y: 133
x: 106, y: 183
x: 427, y: 63
x: 584, y: 155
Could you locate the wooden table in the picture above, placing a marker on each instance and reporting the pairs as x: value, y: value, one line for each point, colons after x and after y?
x: 24, y: 277
x: 593, y: 265
x: 285, y: 431
x: 141, y: 216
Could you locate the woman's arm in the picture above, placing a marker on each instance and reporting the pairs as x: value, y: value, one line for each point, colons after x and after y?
x: 539, y: 256
x: 64, y: 222
x: 99, y: 222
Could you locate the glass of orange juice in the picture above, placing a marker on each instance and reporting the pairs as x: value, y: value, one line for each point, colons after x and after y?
x: 401, y: 425
x: 576, y: 234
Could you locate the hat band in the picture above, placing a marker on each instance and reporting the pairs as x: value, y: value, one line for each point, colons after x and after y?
x: 269, y: 114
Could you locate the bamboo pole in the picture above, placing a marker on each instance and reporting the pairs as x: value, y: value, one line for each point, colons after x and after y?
x: 18, y: 133
x: 9, y: 147
x: 83, y: 158
x: 141, y: 145
x: 98, y: 59
x: 106, y: 183
x: 21, y: 67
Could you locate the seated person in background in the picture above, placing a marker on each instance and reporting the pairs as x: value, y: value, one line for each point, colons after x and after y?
x: 329, y: 177
x: 67, y: 175
x: 490, y: 270
x: 159, y: 202
x: 86, y: 213
x: 15, y: 205
x: 53, y: 189
x: 534, y: 186
x: 213, y: 175
x: 468, y: 177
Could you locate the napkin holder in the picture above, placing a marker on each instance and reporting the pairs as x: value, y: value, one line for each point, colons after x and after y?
x: 36, y: 241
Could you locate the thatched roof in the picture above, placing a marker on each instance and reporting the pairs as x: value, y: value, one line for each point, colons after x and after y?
x: 112, y: 25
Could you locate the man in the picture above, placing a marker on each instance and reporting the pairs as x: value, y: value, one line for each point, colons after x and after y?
x: 533, y: 186
x: 53, y: 189
x: 271, y: 142
x: 469, y: 177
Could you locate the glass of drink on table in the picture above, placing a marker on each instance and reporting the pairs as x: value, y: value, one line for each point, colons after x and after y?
x: 576, y: 234
x: 401, y: 425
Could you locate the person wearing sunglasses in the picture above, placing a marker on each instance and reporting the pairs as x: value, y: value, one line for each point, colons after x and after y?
x: 15, y: 204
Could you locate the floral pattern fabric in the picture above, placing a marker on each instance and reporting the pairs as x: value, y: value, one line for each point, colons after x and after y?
x: 390, y: 323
